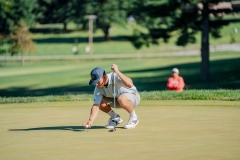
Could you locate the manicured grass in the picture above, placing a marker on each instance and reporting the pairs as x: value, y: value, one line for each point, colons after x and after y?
x: 149, y: 74
x: 61, y: 43
x: 167, y: 130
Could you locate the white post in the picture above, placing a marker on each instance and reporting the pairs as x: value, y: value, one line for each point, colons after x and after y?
x: 90, y: 38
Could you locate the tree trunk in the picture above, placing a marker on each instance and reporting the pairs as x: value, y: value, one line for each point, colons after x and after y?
x: 23, y: 60
x: 64, y: 26
x: 205, y: 64
x: 106, y: 33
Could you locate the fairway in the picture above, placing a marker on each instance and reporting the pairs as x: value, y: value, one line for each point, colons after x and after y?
x: 148, y: 74
x: 167, y: 130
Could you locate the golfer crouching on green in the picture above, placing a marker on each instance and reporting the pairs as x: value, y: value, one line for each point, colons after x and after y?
x: 127, y: 97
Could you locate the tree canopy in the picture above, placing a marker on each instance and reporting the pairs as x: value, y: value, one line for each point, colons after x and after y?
x: 163, y: 17
x: 11, y: 12
x: 55, y: 11
x: 107, y: 12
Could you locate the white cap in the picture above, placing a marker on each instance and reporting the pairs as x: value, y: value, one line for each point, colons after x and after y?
x: 175, y: 70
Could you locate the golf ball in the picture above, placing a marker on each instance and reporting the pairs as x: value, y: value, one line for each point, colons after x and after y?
x: 86, y: 126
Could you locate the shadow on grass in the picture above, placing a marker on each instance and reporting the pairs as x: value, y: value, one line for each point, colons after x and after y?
x: 224, y: 75
x: 79, y: 39
x: 63, y: 90
x: 69, y: 128
x: 56, y: 39
x: 54, y: 30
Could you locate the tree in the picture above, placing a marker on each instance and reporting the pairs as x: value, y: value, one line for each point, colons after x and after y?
x: 2, y: 48
x: 12, y: 11
x: 55, y: 11
x: 163, y: 17
x: 21, y: 41
x: 107, y: 12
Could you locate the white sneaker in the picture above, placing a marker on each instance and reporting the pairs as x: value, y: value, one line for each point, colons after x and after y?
x: 132, y: 122
x: 113, y: 122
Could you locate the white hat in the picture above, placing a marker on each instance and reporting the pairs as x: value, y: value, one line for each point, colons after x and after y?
x: 175, y: 70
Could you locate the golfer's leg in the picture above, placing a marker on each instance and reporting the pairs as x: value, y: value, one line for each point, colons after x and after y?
x: 107, y: 109
x: 104, y: 107
x: 128, y: 105
x: 125, y: 103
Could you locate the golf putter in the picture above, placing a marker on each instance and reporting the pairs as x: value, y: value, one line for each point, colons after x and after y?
x: 114, y: 101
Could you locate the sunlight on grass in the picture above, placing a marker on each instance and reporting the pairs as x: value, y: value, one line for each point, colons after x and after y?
x: 62, y: 43
x: 53, y: 130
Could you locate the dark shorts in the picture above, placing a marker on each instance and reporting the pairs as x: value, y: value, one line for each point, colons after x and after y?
x: 134, y: 98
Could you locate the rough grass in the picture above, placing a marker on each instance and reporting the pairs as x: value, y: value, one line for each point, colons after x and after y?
x: 167, y: 130
x: 223, y: 95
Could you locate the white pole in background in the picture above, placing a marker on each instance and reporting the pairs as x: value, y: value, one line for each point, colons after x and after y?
x: 90, y: 38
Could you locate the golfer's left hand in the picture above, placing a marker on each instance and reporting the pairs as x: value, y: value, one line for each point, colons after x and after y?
x: 89, y: 123
x: 114, y: 67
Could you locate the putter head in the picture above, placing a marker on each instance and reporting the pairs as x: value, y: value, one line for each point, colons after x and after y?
x: 112, y: 130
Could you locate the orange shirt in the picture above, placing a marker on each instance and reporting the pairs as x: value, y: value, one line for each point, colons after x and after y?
x: 175, y: 83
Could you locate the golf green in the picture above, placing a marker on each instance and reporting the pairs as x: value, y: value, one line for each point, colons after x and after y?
x: 167, y: 130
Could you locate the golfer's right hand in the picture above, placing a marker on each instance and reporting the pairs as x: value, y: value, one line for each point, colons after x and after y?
x: 89, y: 123
x: 114, y: 67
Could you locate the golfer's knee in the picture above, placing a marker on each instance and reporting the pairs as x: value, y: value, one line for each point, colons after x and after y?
x: 104, y: 107
x: 103, y: 103
x: 122, y: 100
